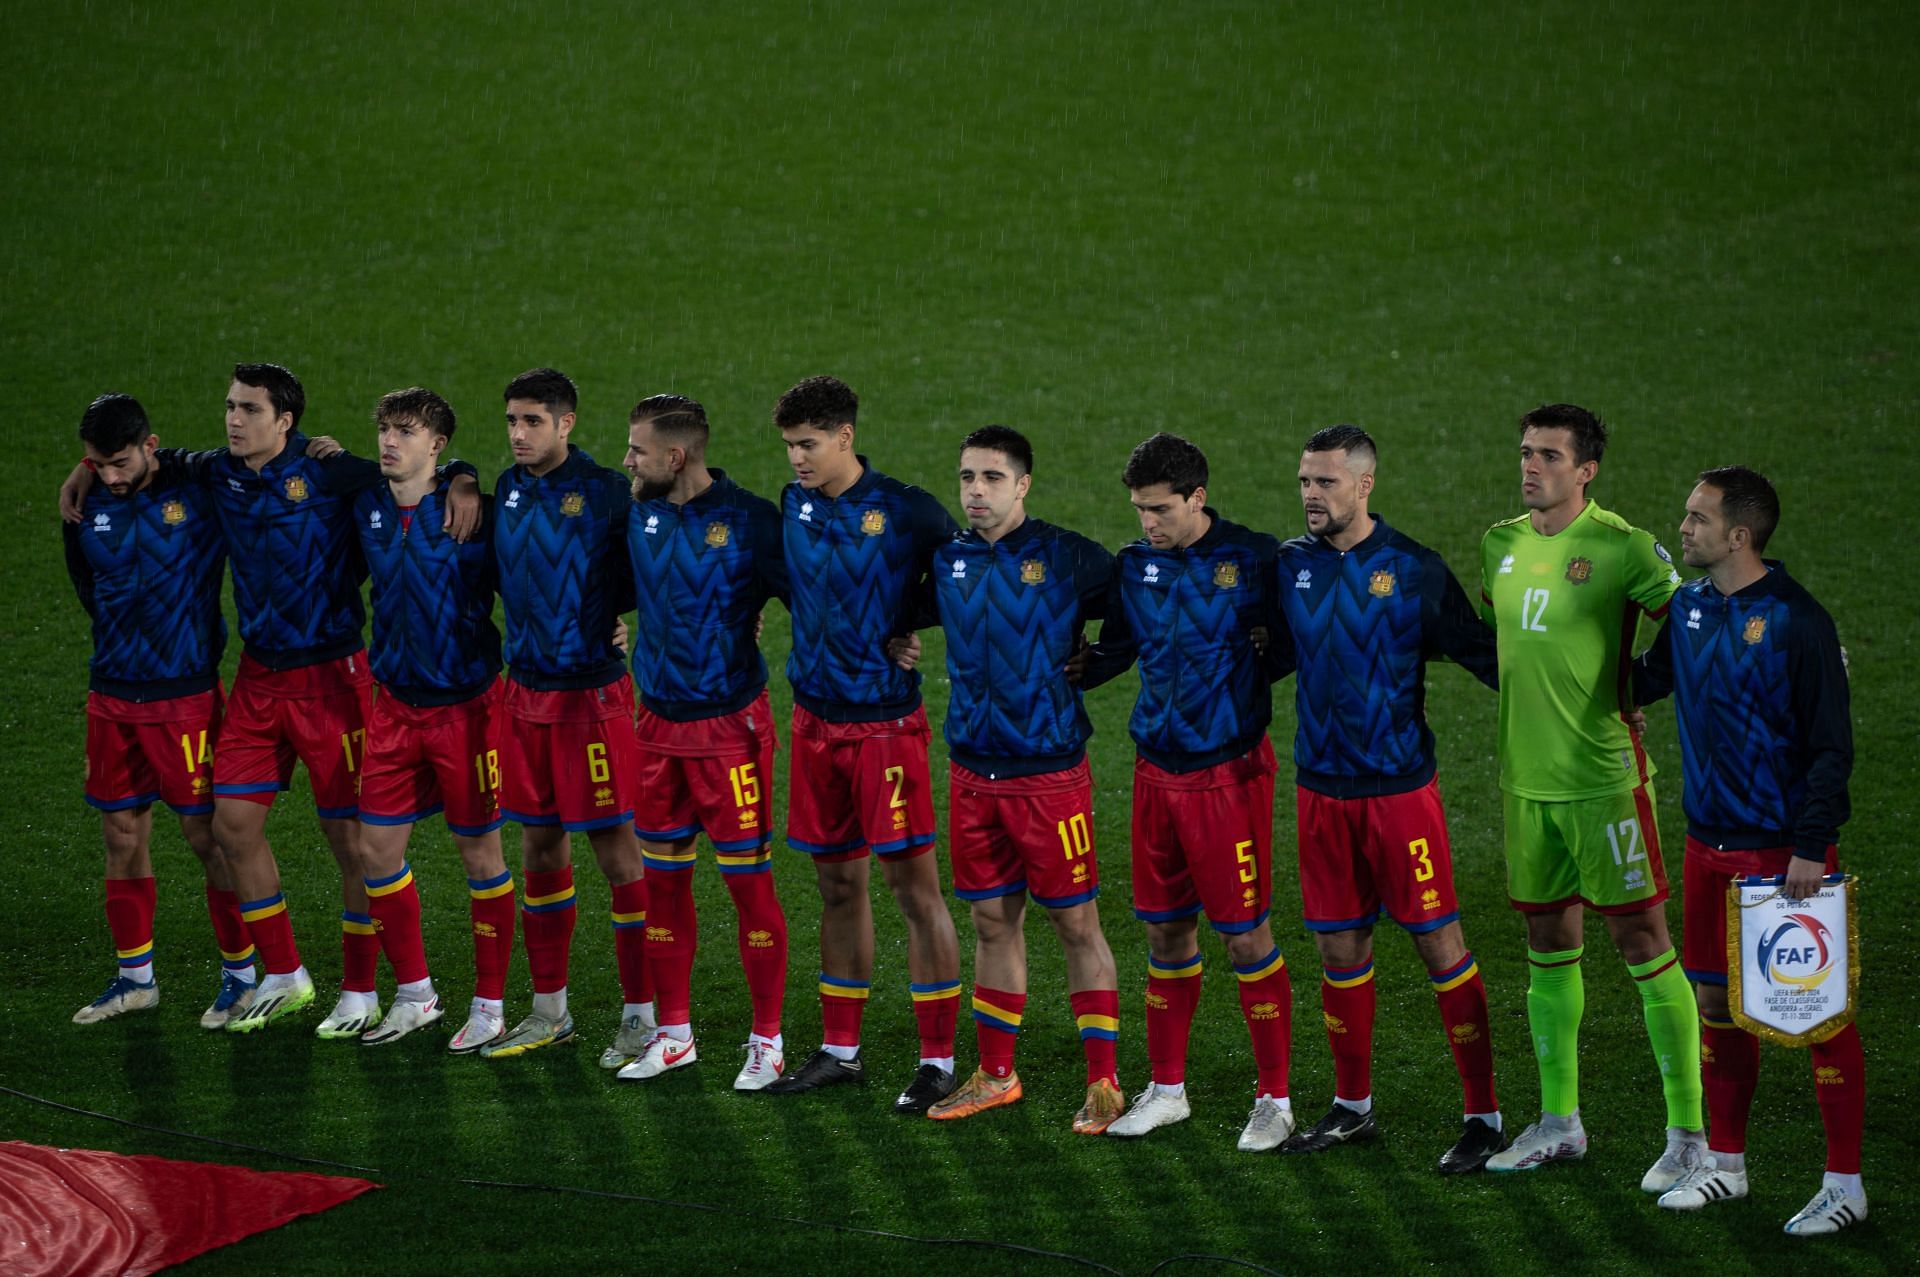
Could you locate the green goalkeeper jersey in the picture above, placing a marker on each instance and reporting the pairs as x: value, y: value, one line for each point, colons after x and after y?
x: 1566, y: 609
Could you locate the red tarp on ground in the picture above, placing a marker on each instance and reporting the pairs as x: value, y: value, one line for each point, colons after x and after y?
x: 75, y: 1211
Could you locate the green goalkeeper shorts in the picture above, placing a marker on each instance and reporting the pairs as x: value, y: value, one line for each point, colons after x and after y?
x: 1603, y: 852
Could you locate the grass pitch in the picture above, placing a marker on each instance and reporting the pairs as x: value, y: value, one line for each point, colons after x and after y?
x: 1240, y: 222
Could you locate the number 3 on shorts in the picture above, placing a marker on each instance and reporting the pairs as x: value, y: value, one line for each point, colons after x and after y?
x: 1418, y: 849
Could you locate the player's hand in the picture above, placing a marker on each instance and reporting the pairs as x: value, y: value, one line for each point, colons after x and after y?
x: 905, y: 651
x: 1076, y: 667
x: 320, y: 447
x: 463, y: 508
x: 73, y: 493
x: 1803, y: 878
x: 620, y: 635
x: 1260, y: 638
x: 1636, y: 721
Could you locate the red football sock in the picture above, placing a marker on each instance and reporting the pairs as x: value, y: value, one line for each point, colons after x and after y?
x: 1840, y: 1084
x: 672, y: 939
x: 842, y: 1004
x: 1097, y: 1012
x: 271, y: 927
x: 130, y: 906
x: 1173, y: 991
x: 762, y: 937
x: 1729, y: 1073
x: 936, y: 1010
x: 1266, y: 1000
x: 229, y: 928
x: 359, y: 952
x: 996, y: 1027
x: 1462, y: 995
x: 1347, y: 997
x: 490, y: 907
x: 546, y: 923
x: 394, y: 903
x: 630, y: 941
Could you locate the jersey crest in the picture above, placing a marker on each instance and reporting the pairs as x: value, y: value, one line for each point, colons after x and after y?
x: 572, y: 504
x: 1380, y: 584
x: 174, y: 512
x: 1032, y: 572
x: 1756, y: 629
x: 717, y: 534
x: 873, y: 522
x: 1579, y: 570
x: 296, y: 489
x: 1226, y: 575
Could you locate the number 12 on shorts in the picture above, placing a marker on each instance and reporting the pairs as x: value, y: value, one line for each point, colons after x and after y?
x: 1627, y: 832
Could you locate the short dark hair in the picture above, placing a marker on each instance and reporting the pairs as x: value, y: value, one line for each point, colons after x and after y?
x: 113, y: 423
x: 1589, y: 432
x: 1344, y: 438
x: 416, y: 403
x: 818, y: 403
x: 1747, y: 500
x: 547, y: 386
x: 283, y: 388
x: 1003, y: 439
x: 675, y: 415
x: 1168, y: 459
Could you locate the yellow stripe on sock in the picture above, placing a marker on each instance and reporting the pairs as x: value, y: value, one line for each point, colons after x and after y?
x: 999, y: 1013
x: 492, y: 893
x: 936, y: 995
x: 1351, y: 982
x: 621, y: 918
x: 554, y: 899
x: 1472, y: 970
x: 1111, y: 1023
x: 841, y: 991
x: 264, y: 912
x: 245, y: 954
x: 406, y: 880
x: 356, y: 928
x: 1263, y: 971
x: 138, y: 951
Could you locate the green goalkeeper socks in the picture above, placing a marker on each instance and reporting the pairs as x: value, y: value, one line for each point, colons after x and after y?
x: 1671, y: 1013
x: 1556, y: 999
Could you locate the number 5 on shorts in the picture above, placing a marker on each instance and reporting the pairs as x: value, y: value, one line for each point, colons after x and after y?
x: 1243, y: 852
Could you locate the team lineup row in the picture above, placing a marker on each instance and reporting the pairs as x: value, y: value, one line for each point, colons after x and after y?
x: 1211, y: 612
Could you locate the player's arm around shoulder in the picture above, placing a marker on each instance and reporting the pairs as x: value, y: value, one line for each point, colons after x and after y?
x: 1451, y: 625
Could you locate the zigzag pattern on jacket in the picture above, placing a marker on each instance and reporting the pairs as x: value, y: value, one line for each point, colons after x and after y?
x: 702, y: 573
x: 434, y: 640
x: 1359, y: 693
x: 1736, y: 722
x: 1012, y: 614
x: 560, y: 546
x: 147, y: 568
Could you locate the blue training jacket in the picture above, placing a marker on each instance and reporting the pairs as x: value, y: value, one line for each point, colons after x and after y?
x: 1361, y: 626
x: 702, y: 573
x: 434, y: 641
x: 147, y: 569
x: 857, y: 565
x: 561, y: 546
x: 1013, y: 611
x: 1188, y: 616
x: 1766, y: 731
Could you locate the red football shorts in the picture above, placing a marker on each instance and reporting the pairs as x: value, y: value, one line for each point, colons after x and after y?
x: 567, y: 757
x: 1360, y: 857
x: 1023, y: 833
x: 711, y: 775
x: 1204, y: 840
x: 427, y: 759
x: 1704, y: 877
x: 855, y: 787
x: 141, y: 751
x: 315, y: 715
